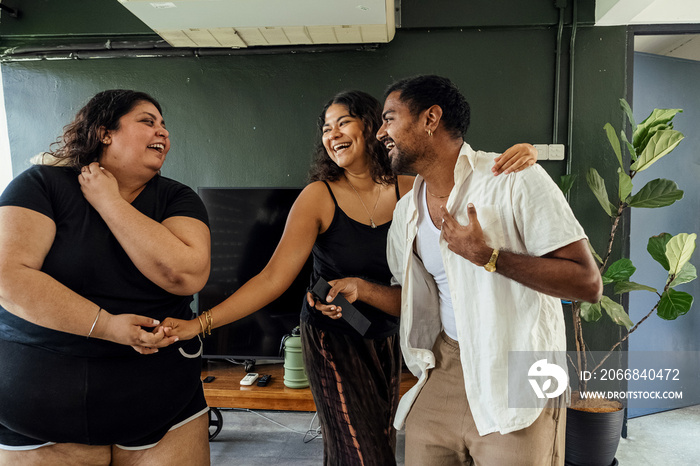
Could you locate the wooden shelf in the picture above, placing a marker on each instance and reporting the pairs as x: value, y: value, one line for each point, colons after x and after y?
x: 225, y: 391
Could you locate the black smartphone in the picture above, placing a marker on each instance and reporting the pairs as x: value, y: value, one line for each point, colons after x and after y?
x: 350, y: 314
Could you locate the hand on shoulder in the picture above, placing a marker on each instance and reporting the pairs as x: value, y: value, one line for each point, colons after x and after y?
x: 515, y: 159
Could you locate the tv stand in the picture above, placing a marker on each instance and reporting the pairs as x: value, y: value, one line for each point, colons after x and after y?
x: 225, y: 391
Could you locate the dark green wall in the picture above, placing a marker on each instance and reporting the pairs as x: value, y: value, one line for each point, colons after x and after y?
x: 600, y: 80
x: 249, y: 120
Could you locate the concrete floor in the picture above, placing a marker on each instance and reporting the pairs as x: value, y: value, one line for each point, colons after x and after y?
x: 249, y: 439
x: 668, y: 438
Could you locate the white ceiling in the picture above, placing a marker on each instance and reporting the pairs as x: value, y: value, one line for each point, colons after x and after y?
x: 619, y: 12
x: 685, y: 46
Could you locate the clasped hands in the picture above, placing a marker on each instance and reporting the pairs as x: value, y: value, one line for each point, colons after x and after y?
x: 129, y: 329
x: 172, y: 330
x: 162, y: 334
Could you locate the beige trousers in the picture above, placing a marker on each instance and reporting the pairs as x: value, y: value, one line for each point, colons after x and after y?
x: 440, y: 429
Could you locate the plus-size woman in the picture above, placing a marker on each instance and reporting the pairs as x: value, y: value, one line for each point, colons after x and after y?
x: 96, y: 249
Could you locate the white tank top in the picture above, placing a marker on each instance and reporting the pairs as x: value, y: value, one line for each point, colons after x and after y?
x: 428, y: 249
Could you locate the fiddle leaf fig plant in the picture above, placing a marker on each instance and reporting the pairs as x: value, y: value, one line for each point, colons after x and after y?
x: 652, y: 139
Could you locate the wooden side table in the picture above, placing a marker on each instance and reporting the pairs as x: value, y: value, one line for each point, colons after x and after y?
x: 225, y: 391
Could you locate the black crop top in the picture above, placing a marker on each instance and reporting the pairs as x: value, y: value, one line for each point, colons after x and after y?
x: 87, y: 258
x: 349, y: 248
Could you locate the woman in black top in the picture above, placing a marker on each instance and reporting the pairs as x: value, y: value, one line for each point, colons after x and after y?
x: 342, y: 218
x: 99, y: 245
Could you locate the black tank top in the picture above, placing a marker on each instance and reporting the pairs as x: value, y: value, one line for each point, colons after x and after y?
x: 349, y: 248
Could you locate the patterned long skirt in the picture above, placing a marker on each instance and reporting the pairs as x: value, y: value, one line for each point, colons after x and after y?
x: 355, y: 383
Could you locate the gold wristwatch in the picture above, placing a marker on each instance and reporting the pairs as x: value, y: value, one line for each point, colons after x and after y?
x: 491, y: 264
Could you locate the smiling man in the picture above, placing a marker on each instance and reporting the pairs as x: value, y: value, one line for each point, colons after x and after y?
x: 482, y: 260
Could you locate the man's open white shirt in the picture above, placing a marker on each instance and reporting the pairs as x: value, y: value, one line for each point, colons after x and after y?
x: 523, y: 212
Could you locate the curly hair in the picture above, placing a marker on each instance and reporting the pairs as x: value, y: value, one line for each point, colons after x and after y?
x: 368, y: 109
x: 421, y: 92
x: 81, y: 144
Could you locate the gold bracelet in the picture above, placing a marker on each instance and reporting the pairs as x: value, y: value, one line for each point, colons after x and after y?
x: 209, y: 321
x: 201, y: 326
x: 94, y: 323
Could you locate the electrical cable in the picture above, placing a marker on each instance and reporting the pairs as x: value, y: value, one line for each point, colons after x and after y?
x: 572, y: 51
x: 115, y: 48
x: 310, y: 431
x: 275, y: 422
x: 316, y: 432
x: 557, y: 78
x: 234, y: 361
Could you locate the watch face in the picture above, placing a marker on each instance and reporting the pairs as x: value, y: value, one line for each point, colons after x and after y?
x: 491, y: 264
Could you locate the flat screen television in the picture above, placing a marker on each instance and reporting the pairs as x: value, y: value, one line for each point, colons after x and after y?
x: 246, y: 225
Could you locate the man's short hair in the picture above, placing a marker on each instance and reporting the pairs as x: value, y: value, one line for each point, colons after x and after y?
x: 422, y: 92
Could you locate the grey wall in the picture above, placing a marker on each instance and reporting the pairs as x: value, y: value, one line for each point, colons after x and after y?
x: 662, y: 82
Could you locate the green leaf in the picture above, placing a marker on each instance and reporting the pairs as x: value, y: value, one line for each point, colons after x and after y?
x: 656, y: 193
x: 595, y: 254
x: 659, y: 145
x: 630, y: 147
x: 614, y: 142
x: 657, y: 116
x: 673, y: 304
x: 657, y: 248
x: 628, y: 111
x: 616, y: 312
x: 679, y: 250
x: 626, y: 287
x: 566, y: 182
x: 652, y: 131
x: 620, y: 270
x: 597, y: 185
x: 590, y: 312
x: 625, y: 185
x: 687, y: 274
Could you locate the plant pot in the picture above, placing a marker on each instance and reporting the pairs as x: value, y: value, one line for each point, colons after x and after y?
x: 592, y: 438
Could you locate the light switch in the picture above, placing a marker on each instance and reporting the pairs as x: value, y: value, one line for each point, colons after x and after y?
x: 542, y: 151
x: 556, y: 152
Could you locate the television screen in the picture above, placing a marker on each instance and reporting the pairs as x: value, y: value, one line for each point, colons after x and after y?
x: 246, y: 225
